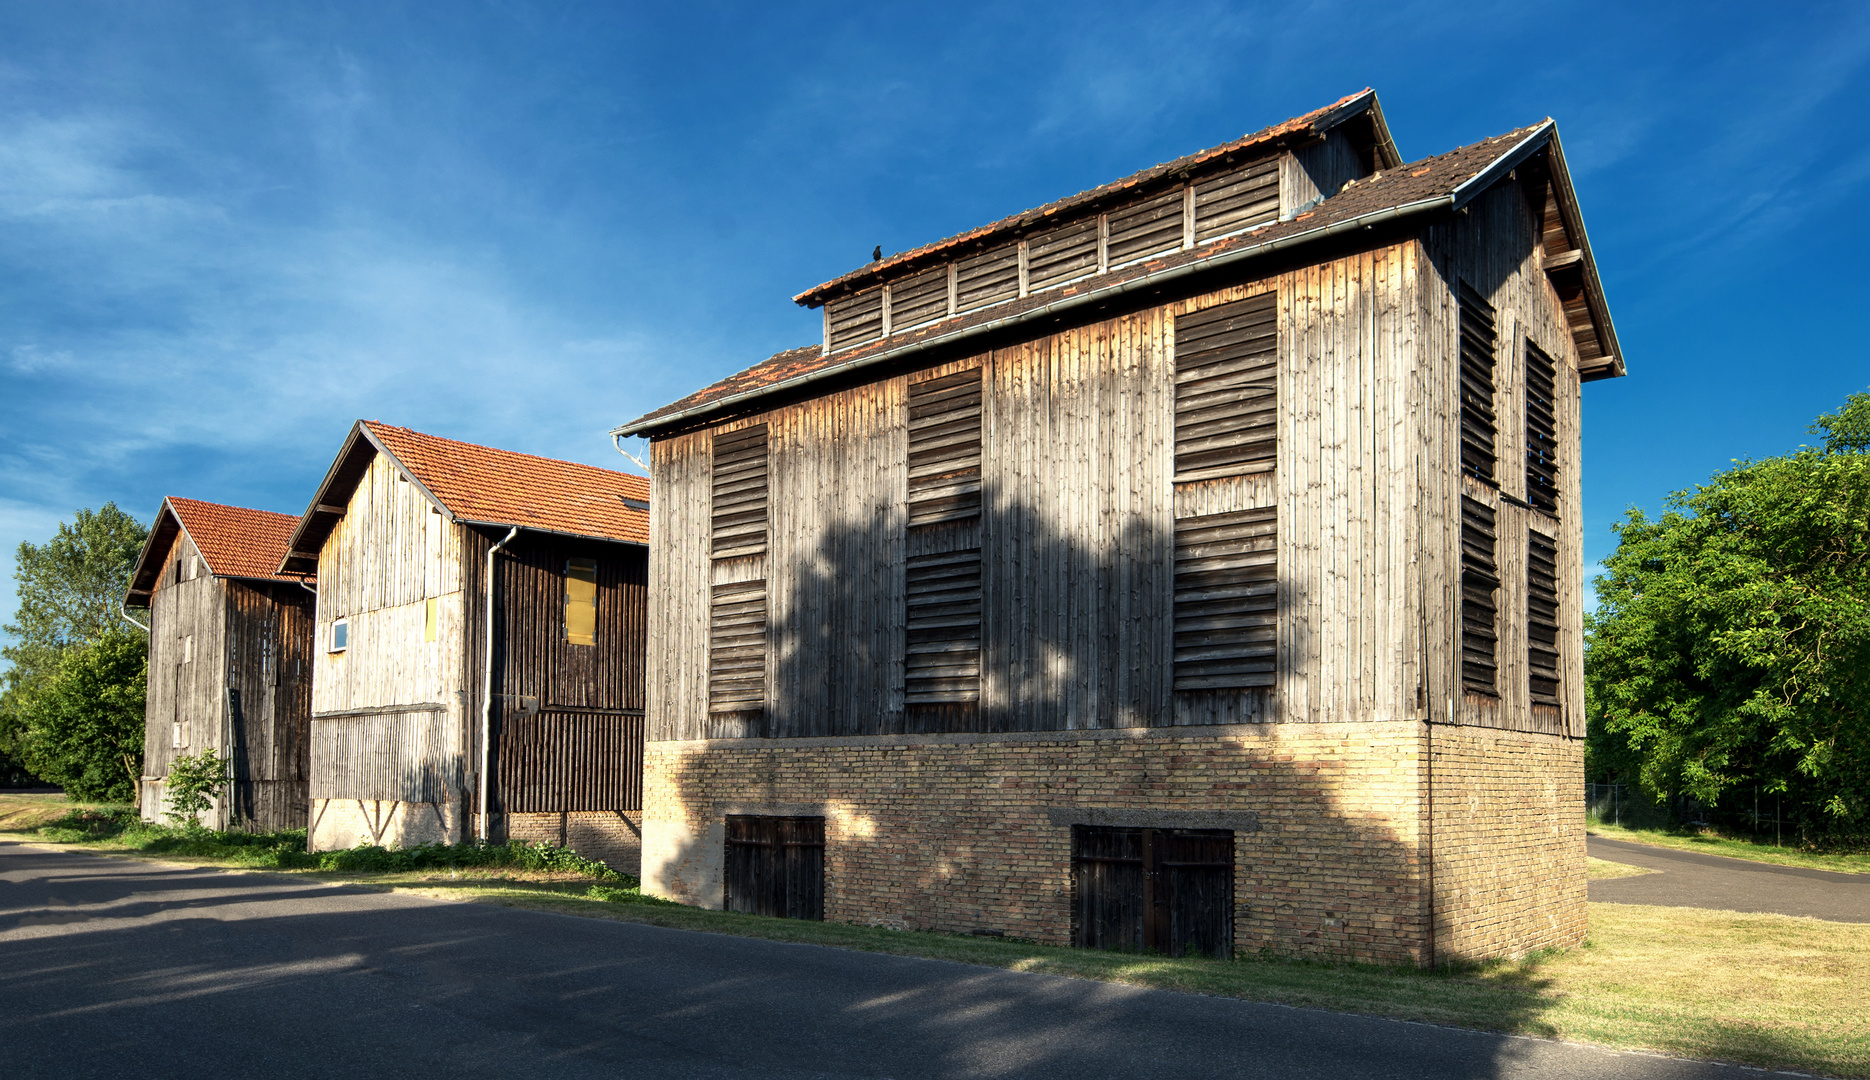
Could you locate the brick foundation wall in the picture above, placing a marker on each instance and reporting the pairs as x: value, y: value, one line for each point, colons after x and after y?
x: 972, y: 832
x: 612, y: 837
x: 1508, y: 838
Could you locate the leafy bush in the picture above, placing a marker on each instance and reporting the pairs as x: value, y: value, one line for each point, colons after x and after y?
x: 193, y: 782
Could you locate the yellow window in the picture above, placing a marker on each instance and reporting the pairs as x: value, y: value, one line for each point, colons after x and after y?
x: 581, y: 601
x: 431, y: 617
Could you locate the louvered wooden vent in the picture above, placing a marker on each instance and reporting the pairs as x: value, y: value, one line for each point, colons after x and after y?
x: 1480, y: 585
x: 1226, y: 609
x: 1226, y: 389
x: 1157, y: 223
x: 944, y: 448
x: 740, y: 492
x: 737, y: 648
x: 1541, y: 431
x: 1478, y: 424
x: 1542, y: 617
x: 942, y: 578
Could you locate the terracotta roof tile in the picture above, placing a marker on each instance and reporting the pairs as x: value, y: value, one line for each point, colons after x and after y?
x: 1388, y: 189
x: 482, y: 484
x: 235, y: 541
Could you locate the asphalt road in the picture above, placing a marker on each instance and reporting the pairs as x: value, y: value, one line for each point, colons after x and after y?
x: 1691, y: 879
x: 112, y: 968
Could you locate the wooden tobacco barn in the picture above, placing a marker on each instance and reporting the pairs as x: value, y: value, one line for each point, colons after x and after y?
x: 229, y: 659
x: 1191, y: 564
x: 426, y: 728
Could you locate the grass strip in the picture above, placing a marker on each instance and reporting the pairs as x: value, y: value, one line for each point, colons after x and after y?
x: 1710, y: 842
x: 1765, y: 990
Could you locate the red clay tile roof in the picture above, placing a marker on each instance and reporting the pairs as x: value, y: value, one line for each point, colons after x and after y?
x: 481, y: 484
x: 1389, y: 189
x: 1297, y: 127
x: 235, y: 541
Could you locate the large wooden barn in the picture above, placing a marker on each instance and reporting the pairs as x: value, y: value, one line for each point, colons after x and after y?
x: 1192, y: 563
x: 230, y: 642
x: 426, y: 727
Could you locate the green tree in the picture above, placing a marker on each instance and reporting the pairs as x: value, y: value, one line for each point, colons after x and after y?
x: 82, y: 728
x: 70, y: 589
x: 1731, y: 643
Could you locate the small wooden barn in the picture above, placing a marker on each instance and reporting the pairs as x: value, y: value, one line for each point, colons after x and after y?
x: 229, y: 659
x: 1192, y: 563
x: 478, y: 669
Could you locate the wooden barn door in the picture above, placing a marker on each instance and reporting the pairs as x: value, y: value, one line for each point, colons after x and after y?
x: 1167, y: 891
x: 776, y: 866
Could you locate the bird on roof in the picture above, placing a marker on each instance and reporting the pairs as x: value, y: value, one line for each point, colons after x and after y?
x: 876, y: 253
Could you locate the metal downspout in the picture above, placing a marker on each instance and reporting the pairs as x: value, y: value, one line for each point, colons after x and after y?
x: 124, y: 610
x: 486, y: 685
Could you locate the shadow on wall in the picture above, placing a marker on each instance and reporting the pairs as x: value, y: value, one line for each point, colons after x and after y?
x: 973, y: 833
x: 498, y: 985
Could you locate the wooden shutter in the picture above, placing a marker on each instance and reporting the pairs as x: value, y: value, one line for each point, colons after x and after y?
x: 1478, y: 423
x: 1159, y: 890
x: 987, y: 278
x: 919, y: 298
x: 1226, y: 610
x: 1226, y: 389
x: 1542, y: 618
x: 944, y: 448
x: 737, y: 648
x: 1541, y: 431
x: 775, y: 866
x: 1152, y: 226
x: 1062, y: 254
x: 942, y: 574
x: 853, y: 320
x: 1237, y: 200
x: 1480, y: 584
x: 739, y: 510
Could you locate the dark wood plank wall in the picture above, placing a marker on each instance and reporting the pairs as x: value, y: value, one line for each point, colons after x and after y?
x: 185, y: 705
x: 583, y: 750
x: 1077, y: 529
x: 1495, y: 248
x: 534, y: 658
x: 269, y: 672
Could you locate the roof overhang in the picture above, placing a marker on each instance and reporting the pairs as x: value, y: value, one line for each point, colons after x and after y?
x: 1541, y: 141
x: 154, y: 556
x: 332, y: 501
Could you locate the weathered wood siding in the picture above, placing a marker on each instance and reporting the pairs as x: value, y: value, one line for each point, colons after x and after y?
x: 1077, y: 529
x: 1495, y: 248
x: 583, y: 750
x: 392, y: 711
x: 185, y: 706
x: 269, y: 701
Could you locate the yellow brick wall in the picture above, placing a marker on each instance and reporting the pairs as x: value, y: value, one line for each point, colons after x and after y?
x: 954, y: 833
x: 1508, y: 841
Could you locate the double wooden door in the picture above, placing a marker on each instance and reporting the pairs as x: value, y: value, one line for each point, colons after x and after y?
x: 1168, y: 891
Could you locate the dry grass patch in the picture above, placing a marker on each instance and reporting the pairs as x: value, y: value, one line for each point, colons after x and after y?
x: 1599, y: 869
x: 1709, y: 842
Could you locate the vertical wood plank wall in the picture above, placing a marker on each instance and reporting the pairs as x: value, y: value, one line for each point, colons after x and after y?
x: 1077, y: 527
x: 187, y: 684
x: 1496, y: 248
x: 390, y: 712
x: 269, y: 656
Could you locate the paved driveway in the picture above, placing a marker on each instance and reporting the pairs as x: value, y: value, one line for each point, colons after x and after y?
x: 124, y: 969
x: 1691, y: 879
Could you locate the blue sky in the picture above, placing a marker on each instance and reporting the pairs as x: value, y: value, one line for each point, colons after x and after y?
x: 228, y: 230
